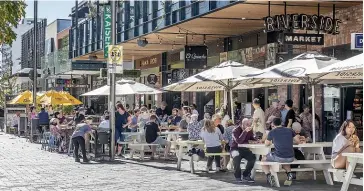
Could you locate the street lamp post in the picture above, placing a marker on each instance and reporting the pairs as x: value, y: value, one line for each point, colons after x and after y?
x: 35, y: 53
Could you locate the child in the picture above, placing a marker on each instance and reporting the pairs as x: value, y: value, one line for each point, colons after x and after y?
x: 212, y: 137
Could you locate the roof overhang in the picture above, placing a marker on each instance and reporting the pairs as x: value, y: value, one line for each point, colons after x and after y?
x: 237, y: 19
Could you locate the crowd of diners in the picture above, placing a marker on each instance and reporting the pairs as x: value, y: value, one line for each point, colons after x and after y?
x: 281, y: 126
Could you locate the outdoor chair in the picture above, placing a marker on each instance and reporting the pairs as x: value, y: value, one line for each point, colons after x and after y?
x: 44, y: 141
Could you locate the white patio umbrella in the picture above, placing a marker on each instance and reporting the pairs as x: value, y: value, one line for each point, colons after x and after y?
x: 294, y: 71
x: 215, y: 79
x: 347, y: 70
x: 124, y: 87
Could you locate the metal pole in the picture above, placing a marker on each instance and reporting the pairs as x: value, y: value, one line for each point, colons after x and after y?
x: 35, y: 53
x: 112, y: 81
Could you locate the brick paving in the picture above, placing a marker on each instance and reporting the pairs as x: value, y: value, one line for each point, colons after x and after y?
x: 24, y: 167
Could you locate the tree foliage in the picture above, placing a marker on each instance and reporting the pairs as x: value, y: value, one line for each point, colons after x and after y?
x: 7, y: 81
x: 11, y: 13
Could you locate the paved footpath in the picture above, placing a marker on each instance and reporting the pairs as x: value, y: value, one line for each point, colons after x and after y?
x: 24, y: 167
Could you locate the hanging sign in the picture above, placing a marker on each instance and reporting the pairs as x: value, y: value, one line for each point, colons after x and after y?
x: 303, y: 39
x: 152, y: 79
x: 302, y: 22
x: 107, y: 29
x: 195, y: 57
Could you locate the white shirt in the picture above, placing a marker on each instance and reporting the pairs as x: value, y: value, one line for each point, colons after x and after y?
x: 339, y: 142
x: 195, y: 112
x: 104, y: 125
x: 260, y: 125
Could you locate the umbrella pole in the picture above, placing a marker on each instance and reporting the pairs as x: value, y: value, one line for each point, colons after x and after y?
x: 232, y: 105
x: 313, y: 114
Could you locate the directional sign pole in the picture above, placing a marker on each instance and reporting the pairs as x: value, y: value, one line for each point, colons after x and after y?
x: 112, y: 82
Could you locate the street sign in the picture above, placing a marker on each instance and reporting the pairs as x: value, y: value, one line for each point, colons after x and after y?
x: 356, y: 41
x: 107, y: 29
x: 126, y: 73
x: 115, y: 55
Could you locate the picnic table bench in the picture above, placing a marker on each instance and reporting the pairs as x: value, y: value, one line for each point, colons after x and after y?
x: 305, y: 165
x: 347, y: 178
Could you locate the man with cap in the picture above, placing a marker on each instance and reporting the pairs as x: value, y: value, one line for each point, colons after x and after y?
x: 273, y: 110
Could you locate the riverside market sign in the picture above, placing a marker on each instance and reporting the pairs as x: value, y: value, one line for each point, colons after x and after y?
x: 302, y: 22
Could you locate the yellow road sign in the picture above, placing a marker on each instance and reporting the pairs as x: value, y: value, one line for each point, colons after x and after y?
x: 115, y: 54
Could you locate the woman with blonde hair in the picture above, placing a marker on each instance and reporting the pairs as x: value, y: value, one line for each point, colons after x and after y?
x: 212, y: 138
x: 345, y: 142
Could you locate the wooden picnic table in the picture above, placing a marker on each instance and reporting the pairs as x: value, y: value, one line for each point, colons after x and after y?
x: 353, y: 159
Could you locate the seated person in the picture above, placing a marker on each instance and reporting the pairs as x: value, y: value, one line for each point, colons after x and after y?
x: 193, y: 128
x: 174, y: 119
x: 104, y: 126
x: 212, y: 138
x: 152, y: 132
x: 345, y: 142
x: 62, y: 119
x: 205, y: 117
x: 242, y: 135
x: 282, y: 138
x: 304, y: 138
x: 134, y: 121
x: 228, y: 134
x: 183, y: 125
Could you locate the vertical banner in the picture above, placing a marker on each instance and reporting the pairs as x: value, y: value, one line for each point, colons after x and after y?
x: 107, y: 29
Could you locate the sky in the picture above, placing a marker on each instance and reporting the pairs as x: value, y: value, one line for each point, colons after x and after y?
x: 50, y: 9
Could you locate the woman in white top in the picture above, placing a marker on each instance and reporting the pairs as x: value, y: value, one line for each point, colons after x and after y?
x: 212, y: 138
x: 345, y: 142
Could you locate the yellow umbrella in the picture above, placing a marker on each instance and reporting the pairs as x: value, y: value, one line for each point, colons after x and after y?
x: 24, y: 98
x: 73, y: 100
x: 54, y: 98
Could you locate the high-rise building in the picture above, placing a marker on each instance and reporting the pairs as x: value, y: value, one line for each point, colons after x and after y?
x: 27, y: 45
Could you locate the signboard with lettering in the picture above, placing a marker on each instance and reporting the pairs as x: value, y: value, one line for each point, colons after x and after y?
x: 302, y: 22
x: 107, y: 29
x: 195, y: 57
x: 303, y: 39
x: 356, y: 41
x: 149, y: 62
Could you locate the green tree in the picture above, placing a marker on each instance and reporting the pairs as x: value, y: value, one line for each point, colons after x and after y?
x: 7, y: 80
x: 11, y: 13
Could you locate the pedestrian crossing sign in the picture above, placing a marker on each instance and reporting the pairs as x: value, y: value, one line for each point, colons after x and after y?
x: 115, y: 54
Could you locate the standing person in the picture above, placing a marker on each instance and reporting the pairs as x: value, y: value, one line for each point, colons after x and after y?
x: 134, y: 121
x: 258, y: 119
x: 273, y: 110
x: 212, y: 138
x: 43, y: 117
x: 345, y: 142
x: 15, y: 120
x: 152, y: 132
x: 306, y: 120
x: 217, y: 121
x: 78, y: 138
x: 241, y: 135
x: 194, y: 109
x: 237, y: 113
x: 284, y: 112
x: 162, y: 112
x: 122, y: 121
x: 50, y: 110
x: 283, y: 139
x: 291, y: 115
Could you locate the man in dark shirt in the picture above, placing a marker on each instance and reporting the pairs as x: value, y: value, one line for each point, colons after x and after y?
x: 282, y: 138
x: 242, y: 136
x: 291, y: 115
x: 152, y: 136
x: 43, y: 117
x: 122, y: 121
